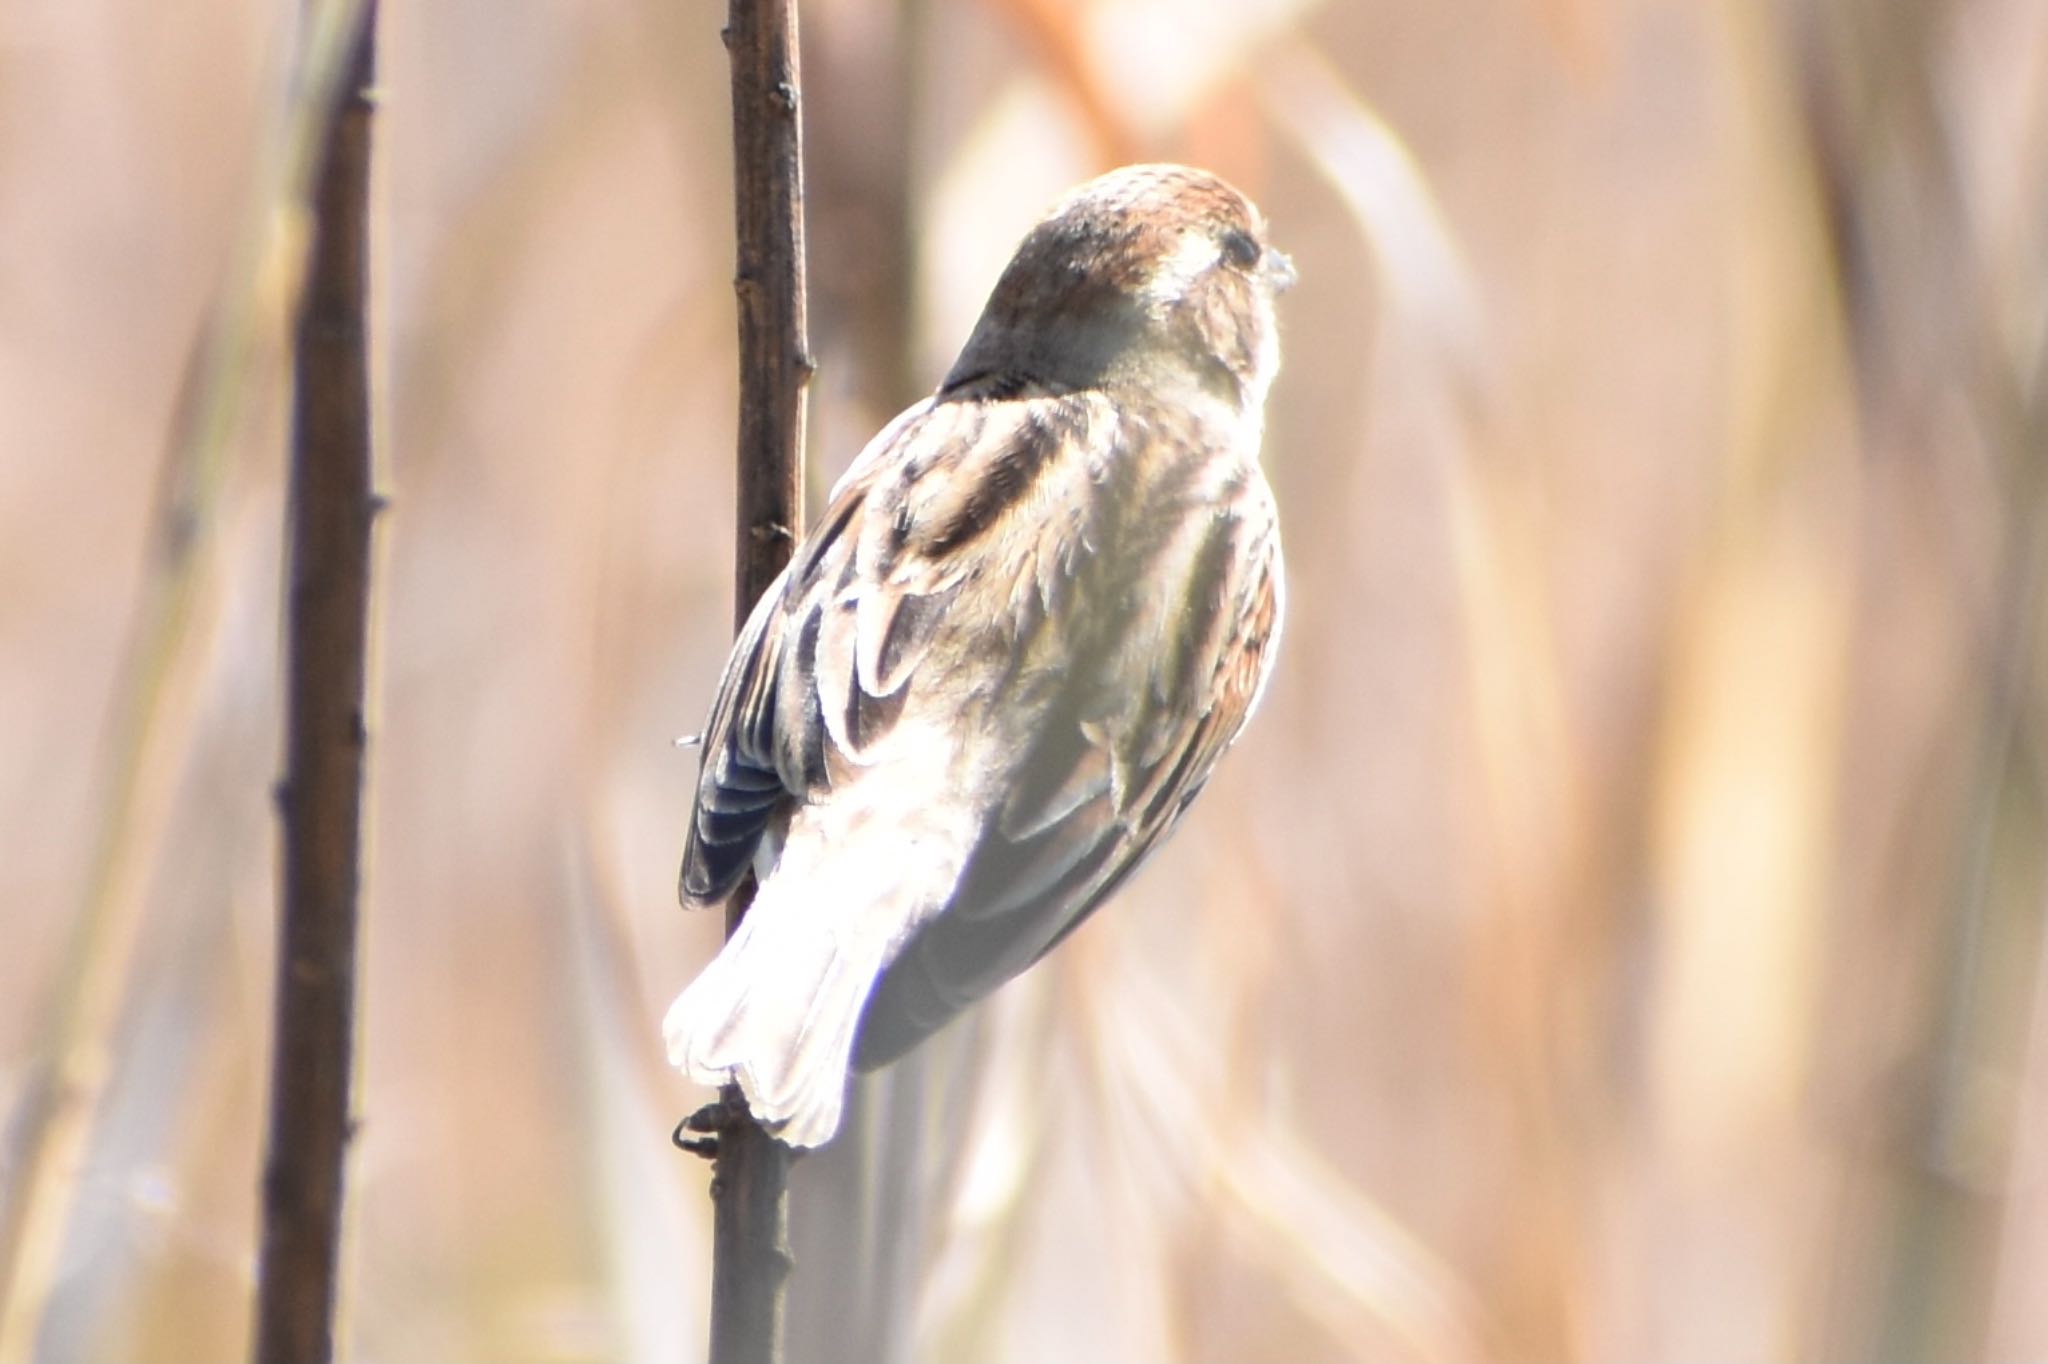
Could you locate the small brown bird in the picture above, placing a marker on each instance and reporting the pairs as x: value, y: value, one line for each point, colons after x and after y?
x: 1040, y: 606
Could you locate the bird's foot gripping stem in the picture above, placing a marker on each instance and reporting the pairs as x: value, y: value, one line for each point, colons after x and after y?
x: 720, y: 1115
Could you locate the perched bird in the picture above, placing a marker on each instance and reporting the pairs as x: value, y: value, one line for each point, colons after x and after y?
x: 1039, y: 607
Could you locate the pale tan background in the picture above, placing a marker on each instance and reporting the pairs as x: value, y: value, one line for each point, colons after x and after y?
x: 1618, y: 938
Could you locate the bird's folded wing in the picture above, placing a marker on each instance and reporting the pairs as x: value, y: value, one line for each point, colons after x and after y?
x: 1109, y: 770
x: 821, y: 676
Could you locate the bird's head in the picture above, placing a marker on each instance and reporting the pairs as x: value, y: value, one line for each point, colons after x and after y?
x: 1152, y: 275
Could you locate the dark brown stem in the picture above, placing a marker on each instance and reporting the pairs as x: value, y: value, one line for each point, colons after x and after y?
x: 750, y: 1184
x: 774, y: 357
x: 331, y: 505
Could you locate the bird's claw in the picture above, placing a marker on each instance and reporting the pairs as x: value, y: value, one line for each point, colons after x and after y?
x: 710, y: 1120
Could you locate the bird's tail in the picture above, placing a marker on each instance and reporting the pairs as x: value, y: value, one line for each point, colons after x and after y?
x: 778, y: 1009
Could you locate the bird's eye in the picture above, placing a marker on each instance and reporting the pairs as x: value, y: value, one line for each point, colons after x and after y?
x: 1239, y: 249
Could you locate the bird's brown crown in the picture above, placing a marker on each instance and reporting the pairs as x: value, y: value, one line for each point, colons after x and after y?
x: 1142, y: 275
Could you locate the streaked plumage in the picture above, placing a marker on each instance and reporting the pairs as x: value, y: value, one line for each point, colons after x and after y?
x: 1039, y: 607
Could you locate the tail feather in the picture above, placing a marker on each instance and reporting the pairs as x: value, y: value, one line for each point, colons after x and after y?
x: 779, y: 1008
x: 776, y: 1012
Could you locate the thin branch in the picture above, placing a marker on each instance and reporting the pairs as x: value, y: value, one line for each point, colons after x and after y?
x: 775, y: 359
x: 750, y: 1238
x: 52, y: 1128
x: 330, y: 509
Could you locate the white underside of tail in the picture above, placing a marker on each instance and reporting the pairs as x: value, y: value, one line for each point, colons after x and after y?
x: 778, y: 1009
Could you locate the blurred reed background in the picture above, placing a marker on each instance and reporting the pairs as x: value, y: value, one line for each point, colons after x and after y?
x: 1618, y: 938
